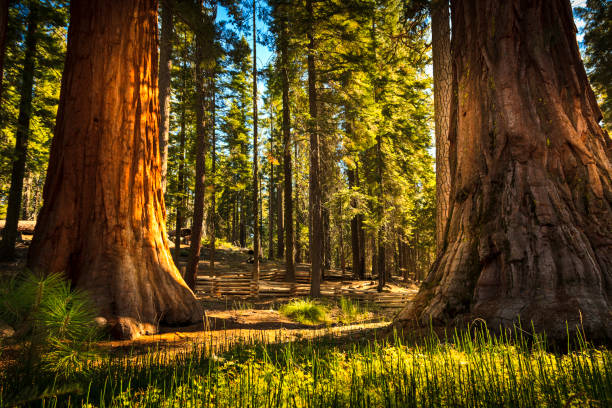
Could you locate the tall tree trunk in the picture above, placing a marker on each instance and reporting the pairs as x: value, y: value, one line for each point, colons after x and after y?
x: 298, y: 236
x: 4, y: 12
x: 531, y: 207
x: 202, y: 42
x: 165, y: 66
x: 355, y: 241
x: 380, y: 236
x: 259, y: 190
x: 287, y: 165
x: 362, y: 246
x: 243, y: 221
x: 315, y: 247
x: 27, y: 196
x: 272, y: 198
x: 181, y: 168
x: 213, y: 218
x: 442, y: 72
x: 236, y: 221
x: 271, y: 204
x: 255, y: 160
x: 326, y: 239
x: 361, y: 231
x: 181, y: 183
x: 341, y: 254
x: 280, y: 224
x: 9, y: 233
x: 102, y: 221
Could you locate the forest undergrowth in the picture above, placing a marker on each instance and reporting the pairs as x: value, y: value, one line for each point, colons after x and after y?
x: 471, y: 368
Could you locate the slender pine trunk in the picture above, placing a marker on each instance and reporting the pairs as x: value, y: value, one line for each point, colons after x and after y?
x: 271, y: 203
x: 181, y: 185
x: 203, y: 43
x: 316, y: 234
x: 287, y: 164
x: 9, y: 233
x: 256, y: 242
x: 165, y: 67
x: 213, y: 180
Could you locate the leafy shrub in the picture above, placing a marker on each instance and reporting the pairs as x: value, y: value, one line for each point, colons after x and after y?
x: 305, y: 311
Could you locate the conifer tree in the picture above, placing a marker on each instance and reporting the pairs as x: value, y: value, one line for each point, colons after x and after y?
x: 108, y: 236
x: 9, y: 233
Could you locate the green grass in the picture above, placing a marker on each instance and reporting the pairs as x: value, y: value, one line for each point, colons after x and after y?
x: 459, y: 371
x: 352, y: 310
x: 305, y: 311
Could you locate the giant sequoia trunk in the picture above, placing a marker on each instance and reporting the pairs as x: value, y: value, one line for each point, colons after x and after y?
x: 102, y: 222
x: 442, y: 73
x: 530, y: 231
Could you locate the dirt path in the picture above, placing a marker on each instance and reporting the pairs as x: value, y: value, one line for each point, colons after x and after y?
x: 224, y: 329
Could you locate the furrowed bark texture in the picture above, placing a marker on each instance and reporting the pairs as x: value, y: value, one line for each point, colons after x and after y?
x: 530, y: 231
x: 102, y: 222
x: 442, y: 70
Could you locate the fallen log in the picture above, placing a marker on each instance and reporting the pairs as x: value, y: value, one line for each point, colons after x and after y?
x: 24, y: 227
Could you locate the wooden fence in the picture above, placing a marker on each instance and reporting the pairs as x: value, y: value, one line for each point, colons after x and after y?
x: 241, y: 286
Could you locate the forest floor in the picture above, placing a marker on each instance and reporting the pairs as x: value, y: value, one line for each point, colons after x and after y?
x: 248, y: 353
x: 230, y: 320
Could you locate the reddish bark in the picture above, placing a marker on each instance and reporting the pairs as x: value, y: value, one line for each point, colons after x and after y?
x: 102, y: 222
x: 530, y: 230
x: 442, y: 73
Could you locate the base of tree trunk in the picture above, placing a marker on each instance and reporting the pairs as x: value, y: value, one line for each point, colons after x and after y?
x: 521, y: 267
x: 102, y: 223
x: 529, y: 234
x: 135, y: 289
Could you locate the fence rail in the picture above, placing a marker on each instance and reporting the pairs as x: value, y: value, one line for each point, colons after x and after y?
x: 241, y: 286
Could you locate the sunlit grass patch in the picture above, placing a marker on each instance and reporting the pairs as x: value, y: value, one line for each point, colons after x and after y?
x: 305, y: 311
x: 352, y: 310
x: 462, y: 370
